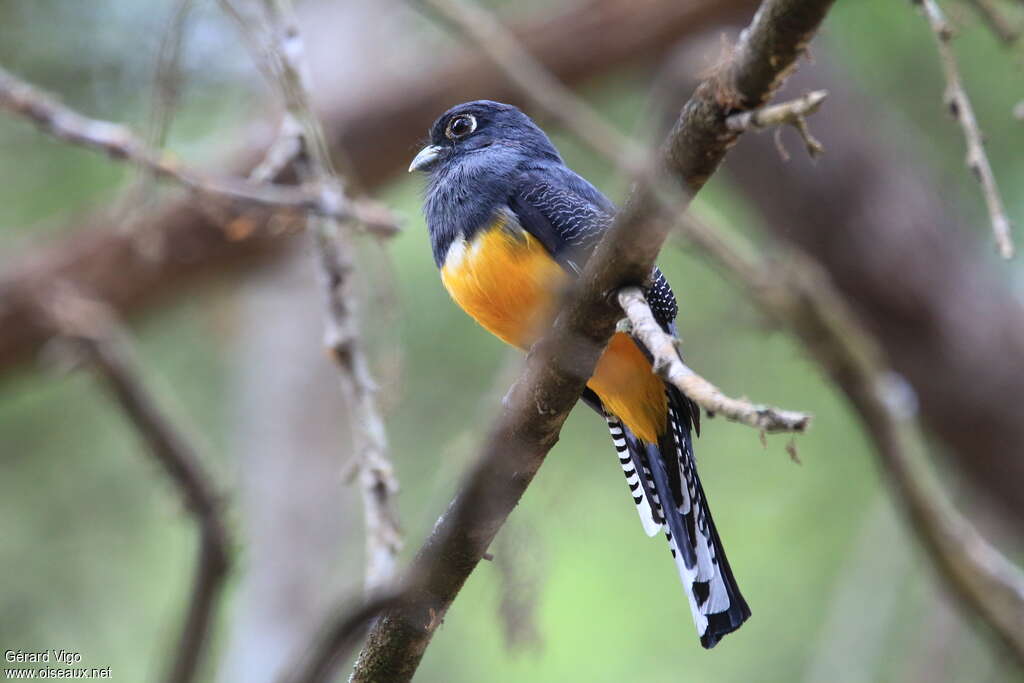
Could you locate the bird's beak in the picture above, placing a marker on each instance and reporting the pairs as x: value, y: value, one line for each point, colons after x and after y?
x: 425, y: 159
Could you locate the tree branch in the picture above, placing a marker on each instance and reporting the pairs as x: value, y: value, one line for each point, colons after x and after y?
x: 119, y: 142
x: 93, y: 330
x: 378, y: 483
x: 560, y: 364
x: 664, y: 348
x: 960, y: 107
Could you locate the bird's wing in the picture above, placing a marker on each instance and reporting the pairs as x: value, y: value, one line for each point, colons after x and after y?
x: 562, y: 210
x: 568, y: 215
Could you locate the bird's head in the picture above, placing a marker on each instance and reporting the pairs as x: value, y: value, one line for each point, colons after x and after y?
x: 479, y: 131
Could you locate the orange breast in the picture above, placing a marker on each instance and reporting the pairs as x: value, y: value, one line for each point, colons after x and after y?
x: 507, y: 281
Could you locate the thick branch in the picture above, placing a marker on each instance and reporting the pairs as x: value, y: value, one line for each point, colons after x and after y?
x: 669, y: 365
x: 92, y: 329
x: 119, y: 142
x: 560, y: 364
x: 960, y: 106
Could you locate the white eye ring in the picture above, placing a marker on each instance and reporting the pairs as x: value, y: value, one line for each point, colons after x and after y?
x: 450, y: 131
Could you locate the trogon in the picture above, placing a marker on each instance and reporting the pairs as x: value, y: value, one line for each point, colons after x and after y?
x: 509, y: 224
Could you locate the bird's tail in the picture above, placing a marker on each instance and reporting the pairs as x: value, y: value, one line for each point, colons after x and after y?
x: 667, y: 472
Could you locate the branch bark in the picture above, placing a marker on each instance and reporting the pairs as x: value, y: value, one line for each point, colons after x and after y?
x: 92, y: 329
x: 559, y: 365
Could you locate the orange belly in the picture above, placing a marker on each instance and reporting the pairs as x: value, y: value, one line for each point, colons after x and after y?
x: 506, y: 280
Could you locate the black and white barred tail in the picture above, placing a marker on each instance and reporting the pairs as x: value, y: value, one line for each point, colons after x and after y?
x: 668, y: 472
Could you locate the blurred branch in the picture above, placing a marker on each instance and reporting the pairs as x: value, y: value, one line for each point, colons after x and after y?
x: 559, y: 365
x: 378, y: 483
x: 792, y: 113
x: 339, y: 635
x: 664, y: 348
x: 375, y: 128
x: 167, y: 79
x: 960, y: 106
x: 119, y: 142
x: 92, y: 328
x: 286, y: 148
x: 997, y: 22
x: 801, y: 296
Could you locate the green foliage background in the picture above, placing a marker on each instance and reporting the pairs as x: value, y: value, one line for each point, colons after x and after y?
x: 95, y: 553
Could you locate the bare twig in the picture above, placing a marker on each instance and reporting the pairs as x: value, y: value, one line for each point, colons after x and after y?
x: 960, y: 106
x: 560, y: 363
x: 119, y: 142
x: 793, y: 113
x: 670, y: 367
x: 378, y: 483
x: 997, y: 22
x: 93, y: 330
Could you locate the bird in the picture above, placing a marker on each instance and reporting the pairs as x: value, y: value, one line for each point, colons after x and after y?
x: 510, y: 225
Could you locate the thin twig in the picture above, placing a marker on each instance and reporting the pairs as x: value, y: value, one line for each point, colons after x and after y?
x: 167, y: 79
x: 960, y: 106
x: 792, y: 113
x: 560, y: 364
x: 667, y: 363
x: 119, y: 142
x: 997, y: 22
x: 93, y: 330
x: 378, y: 483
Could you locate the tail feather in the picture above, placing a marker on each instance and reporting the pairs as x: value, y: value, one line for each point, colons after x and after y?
x: 637, y: 476
x: 675, y: 501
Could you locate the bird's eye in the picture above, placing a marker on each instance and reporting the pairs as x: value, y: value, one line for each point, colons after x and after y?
x: 460, y: 126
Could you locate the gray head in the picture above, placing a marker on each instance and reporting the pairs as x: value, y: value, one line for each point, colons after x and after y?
x: 466, y: 130
x: 476, y: 152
